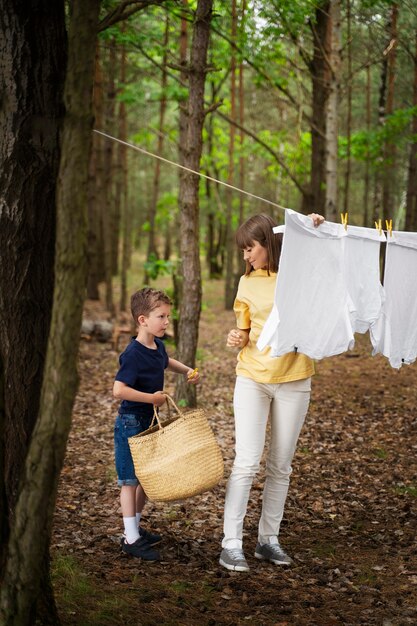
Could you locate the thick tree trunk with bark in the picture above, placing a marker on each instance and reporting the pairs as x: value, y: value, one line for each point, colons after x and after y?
x: 31, y: 530
x: 33, y: 46
x: 190, y: 302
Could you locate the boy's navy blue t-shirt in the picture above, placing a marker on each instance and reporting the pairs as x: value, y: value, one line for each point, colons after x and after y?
x: 142, y: 369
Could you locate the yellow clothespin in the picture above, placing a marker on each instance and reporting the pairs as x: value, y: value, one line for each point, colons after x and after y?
x: 344, y: 218
x: 388, y: 226
x: 193, y: 374
x: 378, y: 226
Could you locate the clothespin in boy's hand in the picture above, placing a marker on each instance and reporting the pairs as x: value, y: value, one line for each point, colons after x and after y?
x: 388, y: 226
x: 344, y: 218
x: 378, y: 226
x: 193, y: 374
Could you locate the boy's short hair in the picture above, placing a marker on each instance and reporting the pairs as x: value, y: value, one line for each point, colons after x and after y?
x: 146, y: 300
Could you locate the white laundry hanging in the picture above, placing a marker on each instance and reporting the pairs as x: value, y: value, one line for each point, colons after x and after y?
x: 395, y: 333
x: 362, y: 255
x: 312, y: 307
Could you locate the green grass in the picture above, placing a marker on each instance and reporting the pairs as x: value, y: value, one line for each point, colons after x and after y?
x: 84, y: 600
x: 409, y: 490
x: 380, y: 453
x: 111, y: 475
x: 366, y: 577
x: 80, y: 599
x: 324, y: 550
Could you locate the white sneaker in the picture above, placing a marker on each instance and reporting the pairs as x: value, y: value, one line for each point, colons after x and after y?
x: 233, y: 559
x: 272, y: 552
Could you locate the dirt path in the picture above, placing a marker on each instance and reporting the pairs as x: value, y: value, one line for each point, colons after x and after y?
x: 350, y: 520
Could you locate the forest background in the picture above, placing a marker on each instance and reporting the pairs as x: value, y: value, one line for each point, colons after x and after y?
x: 309, y: 105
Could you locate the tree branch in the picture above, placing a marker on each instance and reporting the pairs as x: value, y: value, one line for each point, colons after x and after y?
x: 125, y: 9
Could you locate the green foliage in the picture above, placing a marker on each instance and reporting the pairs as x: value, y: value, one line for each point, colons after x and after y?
x: 370, y: 145
x: 155, y: 267
x: 166, y: 208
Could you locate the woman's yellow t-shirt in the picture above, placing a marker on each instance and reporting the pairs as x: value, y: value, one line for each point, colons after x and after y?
x: 253, y: 304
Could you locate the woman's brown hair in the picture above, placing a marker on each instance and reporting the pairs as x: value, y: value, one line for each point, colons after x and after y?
x: 259, y: 228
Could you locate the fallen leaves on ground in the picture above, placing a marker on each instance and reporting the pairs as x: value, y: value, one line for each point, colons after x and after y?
x: 350, y: 520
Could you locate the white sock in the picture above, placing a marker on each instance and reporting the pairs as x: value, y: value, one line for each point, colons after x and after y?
x: 138, y: 515
x: 131, y: 529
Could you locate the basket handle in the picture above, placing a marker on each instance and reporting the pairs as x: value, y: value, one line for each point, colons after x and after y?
x: 155, y: 412
x: 173, y: 404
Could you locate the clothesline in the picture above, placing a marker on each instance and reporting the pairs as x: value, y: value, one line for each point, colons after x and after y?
x: 187, y: 169
x: 214, y: 180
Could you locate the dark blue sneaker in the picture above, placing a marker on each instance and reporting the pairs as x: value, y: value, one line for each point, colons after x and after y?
x: 151, y: 538
x: 140, y: 549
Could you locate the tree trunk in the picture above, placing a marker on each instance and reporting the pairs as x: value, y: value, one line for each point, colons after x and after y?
x: 332, y: 111
x: 32, y: 74
x: 215, y: 267
x: 95, y: 237
x: 115, y: 211
x: 349, y: 107
x: 107, y: 187
x: 314, y: 201
x: 230, y: 247
x: 383, y: 180
x: 388, y: 181
x: 190, y: 302
x: 182, y: 140
x: 124, y: 199
x: 239, y: 263
x: 411, y: 203
x: 31, y: 530
x: 152, y: 248
x: 367, y: 157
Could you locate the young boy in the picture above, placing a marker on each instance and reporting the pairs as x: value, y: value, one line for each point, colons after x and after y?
x: 138, y: 384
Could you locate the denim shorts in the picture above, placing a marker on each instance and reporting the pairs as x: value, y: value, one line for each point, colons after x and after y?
x: 127, y: 425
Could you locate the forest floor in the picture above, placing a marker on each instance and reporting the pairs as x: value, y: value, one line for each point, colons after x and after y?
x: 350, y: 521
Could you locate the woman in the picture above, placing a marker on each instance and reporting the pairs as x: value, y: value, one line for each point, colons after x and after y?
x: 265, y: 386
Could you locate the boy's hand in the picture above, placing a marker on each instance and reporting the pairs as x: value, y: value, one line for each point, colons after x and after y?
x: 158, y: 398
x: 193, y: 376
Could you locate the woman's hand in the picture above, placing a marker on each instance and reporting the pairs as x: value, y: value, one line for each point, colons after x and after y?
x: 237, y: 338
x: 317, y: 219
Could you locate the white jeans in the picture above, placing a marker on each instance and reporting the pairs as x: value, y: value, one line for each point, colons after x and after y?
x: 287, y: 405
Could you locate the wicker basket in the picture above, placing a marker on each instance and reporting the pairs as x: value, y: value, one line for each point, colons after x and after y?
x: 178, y: 459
